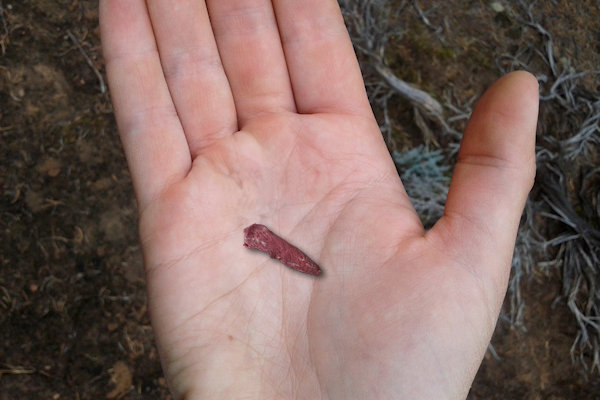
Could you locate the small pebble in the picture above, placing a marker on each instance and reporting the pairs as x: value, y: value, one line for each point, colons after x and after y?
x: 497, y: 6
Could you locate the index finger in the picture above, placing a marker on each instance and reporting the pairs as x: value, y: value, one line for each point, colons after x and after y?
x: 321, y: 61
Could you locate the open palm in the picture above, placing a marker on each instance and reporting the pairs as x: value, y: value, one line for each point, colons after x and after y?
x: 254, y: 111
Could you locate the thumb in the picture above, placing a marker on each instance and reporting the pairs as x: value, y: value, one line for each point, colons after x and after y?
x: 491, y: 180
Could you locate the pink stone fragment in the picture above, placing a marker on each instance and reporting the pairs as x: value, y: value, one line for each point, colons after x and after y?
x: 259, y: 237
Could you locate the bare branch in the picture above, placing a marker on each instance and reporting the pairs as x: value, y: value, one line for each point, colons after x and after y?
x: 89, y: 61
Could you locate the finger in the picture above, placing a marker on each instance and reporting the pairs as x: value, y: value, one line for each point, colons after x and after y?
x: 152, y: 137
x: 248, y: 41
x: 322, y: 64
x: 494, y: 174
x: 193, y: 71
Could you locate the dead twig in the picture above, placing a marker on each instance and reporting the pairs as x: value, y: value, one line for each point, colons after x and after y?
x: 16, y: 371
x: 5, y: 35
x: 417, y: 97
x: 580, y: 261
x: 587, y: 136
x: 3, y: 19
x: 423, y: 15
x: 89, y: 61
x: 549, y: 45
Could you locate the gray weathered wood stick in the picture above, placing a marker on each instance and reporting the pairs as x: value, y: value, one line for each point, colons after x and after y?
x: 417, y: 97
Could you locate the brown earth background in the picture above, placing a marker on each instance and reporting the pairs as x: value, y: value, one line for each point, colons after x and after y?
x: 73, y: 318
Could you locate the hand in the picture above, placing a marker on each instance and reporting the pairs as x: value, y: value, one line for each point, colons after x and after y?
x: 259, y: 114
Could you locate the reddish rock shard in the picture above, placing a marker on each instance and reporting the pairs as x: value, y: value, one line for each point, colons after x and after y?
x: 259, y: 237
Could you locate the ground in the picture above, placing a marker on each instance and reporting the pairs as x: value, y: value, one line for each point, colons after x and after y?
x: 73, y: 318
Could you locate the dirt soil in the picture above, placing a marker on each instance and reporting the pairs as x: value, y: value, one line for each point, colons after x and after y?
x: 73, y: 317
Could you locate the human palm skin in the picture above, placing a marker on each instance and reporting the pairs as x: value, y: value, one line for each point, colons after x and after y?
x: 241, y: 112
